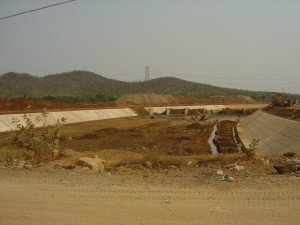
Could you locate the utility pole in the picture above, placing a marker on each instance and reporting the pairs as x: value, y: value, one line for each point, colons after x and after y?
x: 147, y: 73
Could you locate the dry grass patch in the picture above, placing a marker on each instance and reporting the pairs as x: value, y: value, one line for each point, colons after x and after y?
x: 154, y: 158
x: 11, y: 154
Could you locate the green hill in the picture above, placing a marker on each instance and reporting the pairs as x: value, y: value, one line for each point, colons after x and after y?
x: 84, y: 85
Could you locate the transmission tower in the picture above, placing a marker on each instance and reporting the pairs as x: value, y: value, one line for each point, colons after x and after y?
x: 147, y: 73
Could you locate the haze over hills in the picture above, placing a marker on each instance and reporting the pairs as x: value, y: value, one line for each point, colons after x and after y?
x: 84, y: 84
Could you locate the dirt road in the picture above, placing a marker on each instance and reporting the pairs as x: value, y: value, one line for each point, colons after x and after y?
x: 68, y: 198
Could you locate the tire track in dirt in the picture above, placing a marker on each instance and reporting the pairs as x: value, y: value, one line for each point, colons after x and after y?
x: 60, y: 199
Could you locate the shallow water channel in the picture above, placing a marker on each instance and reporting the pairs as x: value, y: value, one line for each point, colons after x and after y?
x: 213, y: 147
x: 235, y: 140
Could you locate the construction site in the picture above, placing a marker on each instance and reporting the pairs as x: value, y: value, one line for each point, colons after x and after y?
x: 149, y: 112
x: 154, y: 154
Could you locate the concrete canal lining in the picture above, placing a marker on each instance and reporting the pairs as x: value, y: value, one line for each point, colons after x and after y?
x: 71, y: 116
x: 277, y: 135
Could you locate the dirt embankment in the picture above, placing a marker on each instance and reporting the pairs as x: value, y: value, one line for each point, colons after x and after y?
x: 20, y: 104
x: 236, y: 112
x: 292, y: 113
x: 163, y: 99
x: 225, y: 140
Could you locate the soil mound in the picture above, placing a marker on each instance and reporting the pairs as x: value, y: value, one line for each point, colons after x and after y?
x: 176, y: 111
x: 288, y: 113
x: 193, y: 112
x: 237, y: 112
x: 234, y: 99
x: 163, y: 99
x: 141, y: 111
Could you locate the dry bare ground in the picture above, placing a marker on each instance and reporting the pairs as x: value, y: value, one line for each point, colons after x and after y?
x: 184, y: 196
x: 138, y: 195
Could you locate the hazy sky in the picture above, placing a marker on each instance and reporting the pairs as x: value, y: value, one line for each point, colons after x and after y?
x: 252, y: 44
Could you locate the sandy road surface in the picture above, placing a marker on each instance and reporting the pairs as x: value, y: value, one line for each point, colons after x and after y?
x: 69, y: 198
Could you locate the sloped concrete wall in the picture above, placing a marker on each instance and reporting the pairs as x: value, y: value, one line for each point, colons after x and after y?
x: 71, y: 116
x: 276, y: 135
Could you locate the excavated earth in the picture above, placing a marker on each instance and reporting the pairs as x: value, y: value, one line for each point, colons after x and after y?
x: 159, y: 171
x: 162, y: 137
x: 225, y: 140
x: 18, y: 105
x: 236, y: 112
x: 292, y: 113
x: 163, y: 99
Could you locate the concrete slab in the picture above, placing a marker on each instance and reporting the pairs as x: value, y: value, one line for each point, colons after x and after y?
x: 71, y: 116
x: 276, y: 135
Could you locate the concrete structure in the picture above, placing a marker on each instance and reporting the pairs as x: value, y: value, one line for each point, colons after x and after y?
x: 71, y: 116
x: 168, y: 111
x: 276, y: 135
x: 207, y: 107
x: 150, y: 111
x: 186, y: 110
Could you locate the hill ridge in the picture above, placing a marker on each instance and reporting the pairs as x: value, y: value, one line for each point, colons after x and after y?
x: 84, y: 84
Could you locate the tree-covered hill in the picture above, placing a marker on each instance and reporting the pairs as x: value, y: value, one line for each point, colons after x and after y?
x: 83, y: 84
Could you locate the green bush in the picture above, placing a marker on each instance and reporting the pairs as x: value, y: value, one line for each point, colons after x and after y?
x: 27, y: 138
x: 251, y: 152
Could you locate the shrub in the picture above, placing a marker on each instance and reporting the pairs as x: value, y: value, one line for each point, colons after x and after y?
x: 252, y: 151
x: 42, y: 143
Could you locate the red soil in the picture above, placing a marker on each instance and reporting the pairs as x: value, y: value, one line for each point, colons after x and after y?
x: 20, y: 104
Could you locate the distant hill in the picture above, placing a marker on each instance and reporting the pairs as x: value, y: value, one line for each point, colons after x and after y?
x: 85, y: 84
x: 77, y: 84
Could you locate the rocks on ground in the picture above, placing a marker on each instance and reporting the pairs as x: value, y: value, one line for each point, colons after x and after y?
x: 285, y: 168
x: 235, y: 167
x: 24, y: 165
x: 95, y: 164
x: 148, y: 165
x: 56, y: 154
x: 289, y: 154
x: 19, y: 164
